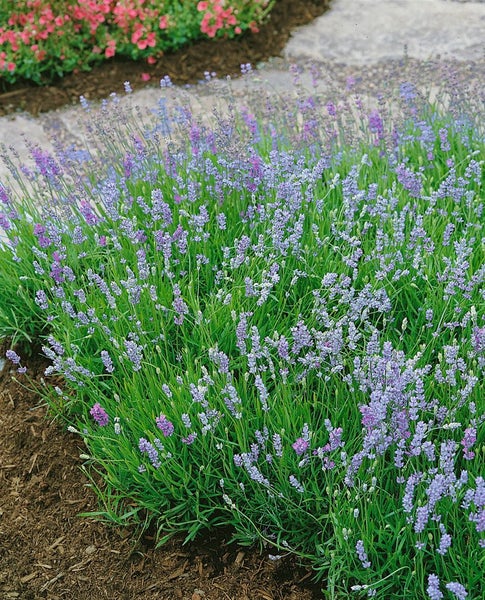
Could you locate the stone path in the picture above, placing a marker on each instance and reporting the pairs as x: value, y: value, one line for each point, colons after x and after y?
x: 362, y: 38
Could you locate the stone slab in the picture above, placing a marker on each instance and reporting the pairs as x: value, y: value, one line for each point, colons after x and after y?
x: 367, y: 31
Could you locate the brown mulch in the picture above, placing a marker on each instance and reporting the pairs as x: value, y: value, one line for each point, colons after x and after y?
x: 185, y: 66
x: 47, y: 551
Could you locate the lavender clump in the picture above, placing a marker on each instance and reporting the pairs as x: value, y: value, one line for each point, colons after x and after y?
x: 332, y: 257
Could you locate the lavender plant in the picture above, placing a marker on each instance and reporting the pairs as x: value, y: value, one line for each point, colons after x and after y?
x: 276, y: 323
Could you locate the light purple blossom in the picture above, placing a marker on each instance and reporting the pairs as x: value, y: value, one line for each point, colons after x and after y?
x: 107, y: 362
x: 361, y: 553
x: 457, y: 589
x: 134, y: 354
x: 445, y: 541
x: 469, y: 439
x: 433, y: 588
x: 296, y: 484
x: 13, y: 356
x: 181, y: 309
x: 147, y: 448
x: 167, y: 391
x: 277, y: 444
x: 99, y: 415
x: 300, y: 446
x: 165, y: 426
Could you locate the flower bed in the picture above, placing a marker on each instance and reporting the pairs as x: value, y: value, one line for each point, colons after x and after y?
x: 41, y: 40
x: 274, y: 323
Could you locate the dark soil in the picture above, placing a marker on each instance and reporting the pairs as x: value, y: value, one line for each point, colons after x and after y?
x: 185, y: 66
x: 47, y: 551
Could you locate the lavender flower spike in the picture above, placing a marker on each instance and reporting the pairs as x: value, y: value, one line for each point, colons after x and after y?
x: 99, y: 415
x: 362, y: 554
x: 165, y: 426
x: 13, y: 356
x: 457, y: 589
x: 433, y: 588
x: 300, y: 446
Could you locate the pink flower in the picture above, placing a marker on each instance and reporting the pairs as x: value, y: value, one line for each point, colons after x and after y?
x: 111, y: 49
x: 145, y: 76
x: 163, y: 24
x: 202, y: 6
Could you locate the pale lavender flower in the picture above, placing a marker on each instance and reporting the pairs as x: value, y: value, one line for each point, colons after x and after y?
x: 301, y: 337
x: 411, y: 181
x: 107, y: 362
x: 469, y: 438
x: 167, y: 391
x: 300, y: 446
x: 376, y: 124
x: 165, y: 426
x: 445, y: 541
x: 296, y: 484
x: 186, y: 420
x: 13, y: 356
x: 220, y: 359
x: 242, y: 332
x: 457, y: 589
x: 145, y: 447
x: 134, y: 353
x: 190, y: 439
x: 422, y: 517
x: 99, y: 415
x: 361, y: 553
x: 277, y: 444
x: 181, y: 309
x: 283, y: 348
x: 232, y: 400
x: 263, y: 392
x: 411, y: 483
x: 433, y: 588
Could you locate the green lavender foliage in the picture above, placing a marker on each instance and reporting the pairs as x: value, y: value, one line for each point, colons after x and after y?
x: 275, y: 323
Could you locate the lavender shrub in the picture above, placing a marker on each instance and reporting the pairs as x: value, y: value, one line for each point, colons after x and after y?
x: 277, y: 323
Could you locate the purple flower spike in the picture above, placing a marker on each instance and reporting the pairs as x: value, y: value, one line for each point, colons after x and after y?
x: 433, y: 588
x: 13, y: 356
x: 300, y: 446
x: 99, y: 415
x: 361, y: 553
x: 469, y: 438
x: 457, y: 589
x: 165, y: 426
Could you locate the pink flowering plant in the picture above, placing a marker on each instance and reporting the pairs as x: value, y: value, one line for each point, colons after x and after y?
x: 41, y: 39
x: 272, y: 321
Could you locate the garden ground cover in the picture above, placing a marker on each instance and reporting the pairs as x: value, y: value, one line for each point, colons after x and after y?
x: 388, y: 345
x: 184, y: 66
